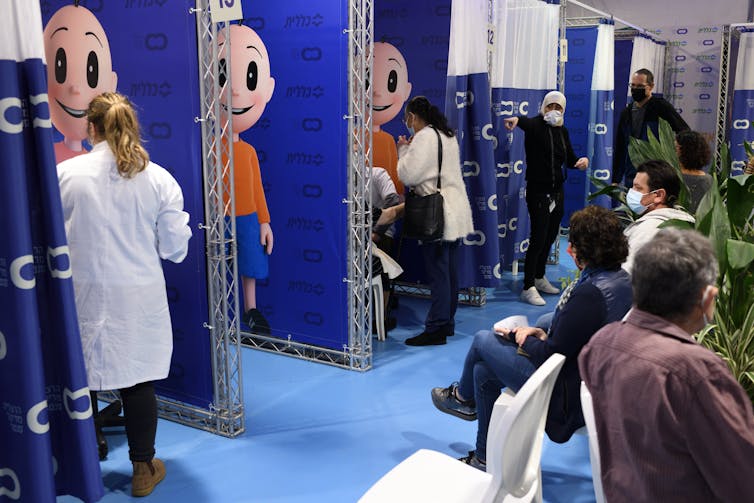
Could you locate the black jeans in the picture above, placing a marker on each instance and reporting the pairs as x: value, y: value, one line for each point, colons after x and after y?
x: 440, y: 261
x: 140, y: 412
x: 545, y: 225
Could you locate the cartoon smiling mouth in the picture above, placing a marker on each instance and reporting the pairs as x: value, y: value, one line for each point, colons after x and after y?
x: 238, y: 111
x: 79, y: 114
x: 377, y: 108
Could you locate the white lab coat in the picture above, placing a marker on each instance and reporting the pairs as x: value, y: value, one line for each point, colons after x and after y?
x: 118, y: 230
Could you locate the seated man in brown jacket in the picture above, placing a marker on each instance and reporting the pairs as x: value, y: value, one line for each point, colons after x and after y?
x: 672, y: 422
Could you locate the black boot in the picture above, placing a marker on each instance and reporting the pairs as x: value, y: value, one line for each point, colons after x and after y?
x: 425, y: 338
x: 256, y: 321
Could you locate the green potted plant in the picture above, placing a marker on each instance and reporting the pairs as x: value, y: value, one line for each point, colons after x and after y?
x: 726, y: 216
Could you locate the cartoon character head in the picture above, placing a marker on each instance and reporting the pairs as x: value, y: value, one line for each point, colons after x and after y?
x: 250, y: 81
x: 79, y: 67
x: 390, y: 85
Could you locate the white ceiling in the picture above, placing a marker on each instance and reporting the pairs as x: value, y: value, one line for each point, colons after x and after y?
x: 664, y: 13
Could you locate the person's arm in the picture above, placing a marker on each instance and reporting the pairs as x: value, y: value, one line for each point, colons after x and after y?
x: 417, y: 162
x: 670, y: 114
x: 173, y: 231
x: 577, y: 321
x: 720, y: 425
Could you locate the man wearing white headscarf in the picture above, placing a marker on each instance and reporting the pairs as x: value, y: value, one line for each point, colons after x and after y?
x: 548, y: 148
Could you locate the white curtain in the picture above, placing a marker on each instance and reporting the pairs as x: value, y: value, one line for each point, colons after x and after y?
x: 468, y: 23
x: 650, y: 55
x: 745, y: 63
x: 600, y: 142
x: 525, y: 44
x: 742, y: 111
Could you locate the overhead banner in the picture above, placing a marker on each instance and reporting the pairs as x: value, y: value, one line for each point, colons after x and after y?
x: 147, y: 51
x: 301, y: 141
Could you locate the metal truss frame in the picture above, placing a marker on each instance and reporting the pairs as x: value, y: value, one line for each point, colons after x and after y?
x: 721, y: 130
x: 474, y: 296
x: 357, y: 354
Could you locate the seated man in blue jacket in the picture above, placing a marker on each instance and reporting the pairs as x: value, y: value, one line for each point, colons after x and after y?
x: 495, y: 360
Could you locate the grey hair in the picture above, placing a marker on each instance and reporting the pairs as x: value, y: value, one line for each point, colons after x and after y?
x: 672, y: 271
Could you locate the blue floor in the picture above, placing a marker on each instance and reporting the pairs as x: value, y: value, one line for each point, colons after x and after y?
x: 316, y: 433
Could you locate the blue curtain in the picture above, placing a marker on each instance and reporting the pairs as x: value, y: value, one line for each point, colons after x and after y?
x: 467, y: 106
x: 47, y: 441
x: 742, y: 117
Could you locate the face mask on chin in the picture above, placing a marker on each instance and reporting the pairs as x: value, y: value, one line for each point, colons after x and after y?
x: 638, y: 95
x: 554, y: 118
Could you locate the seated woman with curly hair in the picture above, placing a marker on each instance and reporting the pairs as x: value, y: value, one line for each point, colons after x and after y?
x: 506, y: 359
x: 693, y: 155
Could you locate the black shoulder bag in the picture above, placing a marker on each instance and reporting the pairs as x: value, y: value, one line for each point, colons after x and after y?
x: 423, y: 218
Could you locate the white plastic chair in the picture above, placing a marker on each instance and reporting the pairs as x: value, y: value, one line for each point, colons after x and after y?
x: 594, y: 447
x: 514, y: 450
x: 378, y: 300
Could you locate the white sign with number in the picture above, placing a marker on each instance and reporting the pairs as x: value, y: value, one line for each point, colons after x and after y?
x: 225, y: 10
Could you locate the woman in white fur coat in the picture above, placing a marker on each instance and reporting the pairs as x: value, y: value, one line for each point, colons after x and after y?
x: 418, y: 168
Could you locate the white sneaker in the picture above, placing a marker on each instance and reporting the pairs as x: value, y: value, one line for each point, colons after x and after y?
x: 545, y: 286
x: 531, y: 295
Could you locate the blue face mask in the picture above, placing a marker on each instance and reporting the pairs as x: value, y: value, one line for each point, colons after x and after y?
x: 633, y: 200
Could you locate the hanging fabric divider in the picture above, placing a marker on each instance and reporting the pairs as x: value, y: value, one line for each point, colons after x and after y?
x: 601, y: 111
x: 742, y: 116
x: 582, y: 43
x: 649, y: 54
x: 467, y: 106
x: 623, y: 52
x: 47, y: 444
x: 523, y: 69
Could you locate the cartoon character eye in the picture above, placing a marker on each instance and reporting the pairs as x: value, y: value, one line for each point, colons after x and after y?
x: 251, y: 76
x: 223, y: 72
x: 61, y: 66
x: 392, y: 81
x: 92, y: 70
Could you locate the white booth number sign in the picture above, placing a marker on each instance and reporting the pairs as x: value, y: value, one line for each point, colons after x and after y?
x: 225, y: 10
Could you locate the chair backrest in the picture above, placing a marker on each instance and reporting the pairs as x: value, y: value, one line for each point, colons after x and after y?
x: 594, y: 447
x: 516, y: 431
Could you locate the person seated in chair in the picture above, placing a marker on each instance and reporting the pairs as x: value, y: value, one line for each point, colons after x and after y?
x: 506, y: 359
x: 672, y: 422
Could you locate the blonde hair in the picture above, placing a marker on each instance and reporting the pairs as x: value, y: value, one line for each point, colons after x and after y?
x: 114, y: 120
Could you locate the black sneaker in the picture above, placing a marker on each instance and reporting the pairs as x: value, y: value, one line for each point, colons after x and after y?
x: 474, y: 461
x: 428, y: 339
x: 446, y: 401
x: 256, y: 321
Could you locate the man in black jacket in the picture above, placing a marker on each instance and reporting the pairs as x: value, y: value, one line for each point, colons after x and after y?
x: 644, y: 112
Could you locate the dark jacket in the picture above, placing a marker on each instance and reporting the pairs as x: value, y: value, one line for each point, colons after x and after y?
x: 601, y: 297
x: 655, y: 109
x: 547, y: 148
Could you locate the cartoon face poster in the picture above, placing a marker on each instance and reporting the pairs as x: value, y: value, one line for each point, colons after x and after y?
x: 79, y: 67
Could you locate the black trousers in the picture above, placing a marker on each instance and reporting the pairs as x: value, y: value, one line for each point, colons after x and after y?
x: 440, y: 261
x: 140, y: 413
x: 545, y: 225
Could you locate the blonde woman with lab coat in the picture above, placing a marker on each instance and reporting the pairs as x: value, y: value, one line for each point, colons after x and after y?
x: 123, y: 214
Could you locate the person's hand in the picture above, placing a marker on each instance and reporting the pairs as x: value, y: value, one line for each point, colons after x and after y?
x: 265, y: 237
x: 402, y: 140
x: 749, y: 169
x: 510, y: 124
x: 523, y: 332
x: 391, y: 214
x: 582, y: 163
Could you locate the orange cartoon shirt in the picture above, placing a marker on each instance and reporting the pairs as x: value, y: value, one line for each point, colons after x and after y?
x: 385, y: 155
x: 248, y: 182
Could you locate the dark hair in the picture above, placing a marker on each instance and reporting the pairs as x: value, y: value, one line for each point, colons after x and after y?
x: 597, y: 235
x: 429, y: 113
x: 671, y: 271
x: 693, y: 150
x: 662, y: 175
x: 649, y: 75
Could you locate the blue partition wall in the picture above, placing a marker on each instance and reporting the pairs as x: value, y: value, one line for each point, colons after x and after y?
x: 301, y: 141
x: 582, y: 42
x: 742, y: 114
x: 153, y: 49
x: 623, y: 50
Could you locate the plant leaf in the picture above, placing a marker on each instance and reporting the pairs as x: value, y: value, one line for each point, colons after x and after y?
x: 740, y: 253
x: 677, y: 223
x: 740, y: 200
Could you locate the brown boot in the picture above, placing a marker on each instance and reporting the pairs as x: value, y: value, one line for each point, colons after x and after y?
x: 147, y: 474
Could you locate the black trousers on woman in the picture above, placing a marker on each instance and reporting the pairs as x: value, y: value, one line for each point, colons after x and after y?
x: 440, y: 261
x: 140, y: 413
x: 545, y: 224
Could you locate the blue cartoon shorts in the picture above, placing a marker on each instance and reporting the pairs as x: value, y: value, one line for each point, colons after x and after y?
x: 253, y: 262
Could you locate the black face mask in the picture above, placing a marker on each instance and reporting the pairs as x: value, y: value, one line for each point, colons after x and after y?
x: 638, y: 94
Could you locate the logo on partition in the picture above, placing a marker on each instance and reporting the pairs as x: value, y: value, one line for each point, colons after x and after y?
x: 496, y: 271
x: 741, y: 124
x: 708, y: 42
x: 464, y: 99
x: 504, y: 169
x: 600, y: 129
x: 3, y: 346
x: 705, y: 96
x: 470, y: 168
x: 738, y: 165
x: 523, y: 246
x: 476, y: 238
x: 706, y: 69
x: 682, y: 31
x: 15, y: 492
x: 680, y: 58
x: 487, y: 135
x: 510, y: 225
x: 602, y: 174
x: 678, y: 84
